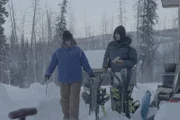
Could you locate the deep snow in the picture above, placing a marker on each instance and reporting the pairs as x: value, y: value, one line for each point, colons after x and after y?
x: 48, y: 105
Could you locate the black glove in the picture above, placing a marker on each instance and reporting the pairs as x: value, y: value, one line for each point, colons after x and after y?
x: 47, y: 76
x: 92, y: 75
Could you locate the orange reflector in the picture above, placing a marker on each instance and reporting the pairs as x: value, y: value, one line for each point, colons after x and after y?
x: 173, y: 101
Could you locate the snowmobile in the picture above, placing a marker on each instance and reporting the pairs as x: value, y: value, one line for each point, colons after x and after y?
x: 96, y: 96
x: 169, y: 91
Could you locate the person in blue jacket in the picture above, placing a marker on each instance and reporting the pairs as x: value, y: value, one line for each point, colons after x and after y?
x: 70, y: 60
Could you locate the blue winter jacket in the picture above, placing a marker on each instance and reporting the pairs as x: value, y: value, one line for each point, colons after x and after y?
x: 70, y: 62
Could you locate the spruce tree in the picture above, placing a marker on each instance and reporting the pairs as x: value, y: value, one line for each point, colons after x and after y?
x: 61, y: 24
x: 147, y: 19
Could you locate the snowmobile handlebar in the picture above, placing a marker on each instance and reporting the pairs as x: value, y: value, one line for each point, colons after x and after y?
x: 99, y: 74
x: 21, y: 114
x: 102, y: 75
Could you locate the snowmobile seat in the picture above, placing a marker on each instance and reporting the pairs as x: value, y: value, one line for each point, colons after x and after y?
x: 169, y: 67
x: 21, y: 114
x: 168, y: 79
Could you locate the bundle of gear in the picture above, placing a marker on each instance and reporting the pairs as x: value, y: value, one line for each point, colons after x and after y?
x: 95, y: 95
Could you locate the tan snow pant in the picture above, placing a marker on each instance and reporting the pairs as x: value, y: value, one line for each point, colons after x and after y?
x: 70, y: 98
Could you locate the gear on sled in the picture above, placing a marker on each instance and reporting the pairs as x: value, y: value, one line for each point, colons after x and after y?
x: 116, y: 100
x: 96, y: 96
x: 103, y: 97
x: 121, y: 91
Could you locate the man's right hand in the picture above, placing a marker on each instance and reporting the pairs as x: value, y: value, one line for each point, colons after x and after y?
x: 117, y: 60
x: 104, y: 70
x: 92, y: 75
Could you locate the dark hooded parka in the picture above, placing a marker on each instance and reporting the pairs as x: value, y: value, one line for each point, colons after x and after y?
x: 120, y: 47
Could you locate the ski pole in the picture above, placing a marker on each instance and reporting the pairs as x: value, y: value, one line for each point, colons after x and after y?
x: 46, y: 87
x: 46, y: 81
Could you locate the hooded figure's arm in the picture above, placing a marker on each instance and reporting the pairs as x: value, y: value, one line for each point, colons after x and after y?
x: 132, y: 59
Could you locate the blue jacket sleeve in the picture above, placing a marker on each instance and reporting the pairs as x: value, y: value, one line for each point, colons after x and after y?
x: 85, y: 63
x: 52, y: 64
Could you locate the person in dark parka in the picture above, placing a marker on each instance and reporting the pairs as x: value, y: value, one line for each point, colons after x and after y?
x: 119, y: 54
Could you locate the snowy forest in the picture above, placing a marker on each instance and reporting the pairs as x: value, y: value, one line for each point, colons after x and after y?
x: 24, y: 60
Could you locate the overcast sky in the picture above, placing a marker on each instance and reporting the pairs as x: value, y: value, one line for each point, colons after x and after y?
x: 93, y: 10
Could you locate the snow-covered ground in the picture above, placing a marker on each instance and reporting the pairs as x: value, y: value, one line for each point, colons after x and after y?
x: 12, y: 98
x: 48, y: 105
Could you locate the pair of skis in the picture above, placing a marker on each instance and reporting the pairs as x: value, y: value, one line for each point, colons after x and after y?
x: 95, y: 95
x: 144, y: 112
x: 122, y: 87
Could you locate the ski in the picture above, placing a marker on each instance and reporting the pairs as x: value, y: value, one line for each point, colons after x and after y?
x: 122, y: 92
x: 94, y: 95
